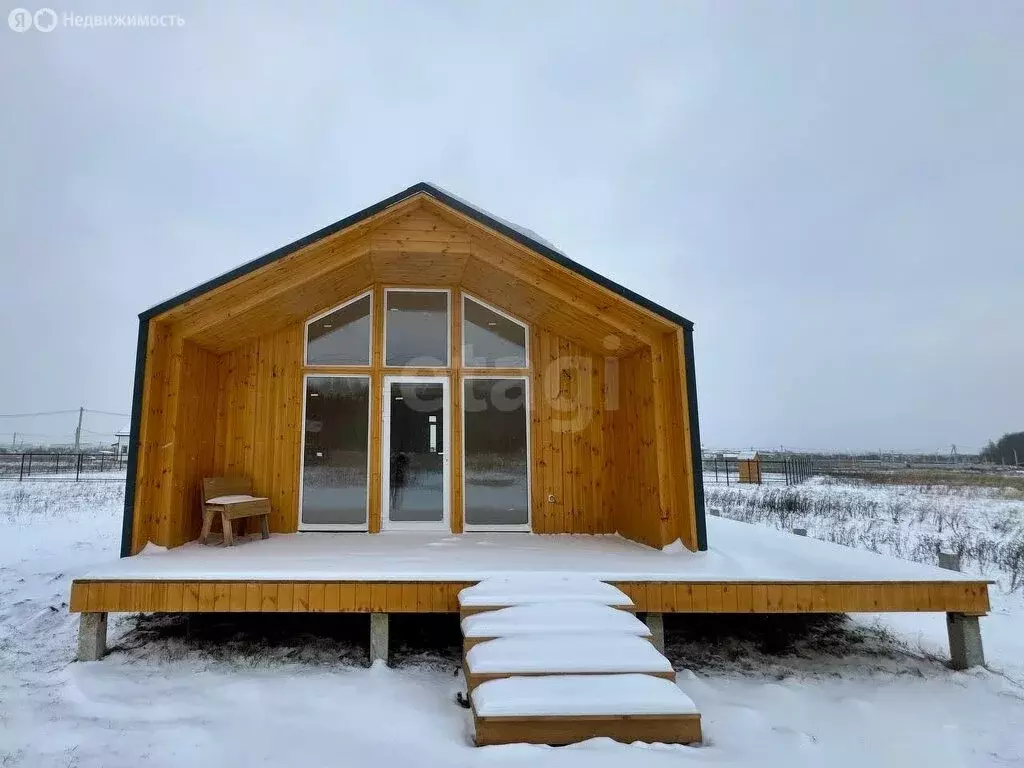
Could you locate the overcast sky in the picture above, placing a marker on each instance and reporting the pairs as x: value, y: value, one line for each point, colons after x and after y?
x: 832, y: 192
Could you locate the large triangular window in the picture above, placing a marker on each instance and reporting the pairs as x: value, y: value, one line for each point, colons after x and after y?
x: 341, y: 336
x: 490, y: 338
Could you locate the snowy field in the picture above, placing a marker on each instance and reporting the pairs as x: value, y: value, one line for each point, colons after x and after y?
x: 782, y: 691
x: 985, y: 526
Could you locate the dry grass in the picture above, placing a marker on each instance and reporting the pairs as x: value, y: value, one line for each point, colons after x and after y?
x: 927, y: 478
x: 984, y: 526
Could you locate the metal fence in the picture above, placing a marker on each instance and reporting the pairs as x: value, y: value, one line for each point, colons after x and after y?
x: 62, y: 466
x: 785, y: 471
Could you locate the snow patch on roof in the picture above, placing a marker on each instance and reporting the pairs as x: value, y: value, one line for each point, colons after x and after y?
x: 524, y: 231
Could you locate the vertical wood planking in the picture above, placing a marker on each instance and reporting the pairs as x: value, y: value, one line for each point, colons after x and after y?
x: 538, y: 497
x: 402, y: 596
x: 682, y: 398
x: 149, y: 471
x: 544, y: 471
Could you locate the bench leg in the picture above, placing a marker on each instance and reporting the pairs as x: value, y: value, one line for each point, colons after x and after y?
x: 92, y: 636
x: 229, y: 538
x: 264, y: 527
x: 204, y: 537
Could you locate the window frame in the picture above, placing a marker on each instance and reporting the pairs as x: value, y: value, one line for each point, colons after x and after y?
x: 526, y: 527
x: 357, y: 527
x: 447, y: 365
x: 502, y: 313
x: 321, y: 316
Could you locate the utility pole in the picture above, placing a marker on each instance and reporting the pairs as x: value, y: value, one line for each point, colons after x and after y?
x: 14, y: 440
x: 78, y: 431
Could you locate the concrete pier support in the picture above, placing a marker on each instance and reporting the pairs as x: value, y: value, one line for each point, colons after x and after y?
x: 378, y: 637
x: 965, y: 647
x: 92, y: 636
x: 656, y: 623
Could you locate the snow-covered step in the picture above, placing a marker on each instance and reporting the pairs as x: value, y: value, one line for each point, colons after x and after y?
x: 505, y: 591
x: 560, y: 654
x: 551, y: 618
x: 564, y: 709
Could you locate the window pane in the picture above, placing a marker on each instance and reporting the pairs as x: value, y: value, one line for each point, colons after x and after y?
x: 490, y: 340
x: 342, y: 337
x: 416, y: 444
x: 496, y: 490
x: 417, y: 328
x: 334, y: 477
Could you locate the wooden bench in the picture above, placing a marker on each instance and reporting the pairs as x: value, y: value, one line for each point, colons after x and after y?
x: 231, y: 498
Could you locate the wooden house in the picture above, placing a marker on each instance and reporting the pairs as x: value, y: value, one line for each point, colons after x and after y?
x: 420, y: 364
x: 427, y: 394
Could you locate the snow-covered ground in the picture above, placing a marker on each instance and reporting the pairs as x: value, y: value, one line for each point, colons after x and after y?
x: 870, y: 692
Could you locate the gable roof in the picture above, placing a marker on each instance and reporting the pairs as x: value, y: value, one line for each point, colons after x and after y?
x: 521, y: 235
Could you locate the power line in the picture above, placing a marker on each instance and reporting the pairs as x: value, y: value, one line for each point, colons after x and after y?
x: 41, y: 413
x: 61, y: 413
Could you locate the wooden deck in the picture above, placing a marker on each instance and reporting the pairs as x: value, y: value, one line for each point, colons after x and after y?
x: 749, y: 570
x: 220, y: 596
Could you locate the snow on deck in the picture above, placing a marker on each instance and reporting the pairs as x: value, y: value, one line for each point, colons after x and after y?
x: 739, y: 552
x: 580, y: 696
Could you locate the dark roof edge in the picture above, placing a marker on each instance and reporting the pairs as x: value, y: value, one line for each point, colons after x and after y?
x: 128, y: 520
x: 471, y: 211
x: 696, y: 455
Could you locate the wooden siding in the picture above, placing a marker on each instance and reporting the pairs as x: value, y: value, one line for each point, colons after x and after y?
x: 569, y: 438
x: 259, y: 420
x: 418, y: 242
x: 426, y: 597
x: 634, y: 464
x: 650, y: 446
x: 176, y: 442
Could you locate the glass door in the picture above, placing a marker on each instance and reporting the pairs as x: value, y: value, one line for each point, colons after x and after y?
x: 415, y: 455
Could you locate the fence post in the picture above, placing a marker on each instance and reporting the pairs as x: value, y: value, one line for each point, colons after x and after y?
x: 78, y: 468
x: 949, y: 560
x: 21, y: 476
x: 30, y: 465
x: 56, y: 466
x: 101, y: 463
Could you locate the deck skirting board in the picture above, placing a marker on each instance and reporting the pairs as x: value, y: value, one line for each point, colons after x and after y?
x: 131, y: 596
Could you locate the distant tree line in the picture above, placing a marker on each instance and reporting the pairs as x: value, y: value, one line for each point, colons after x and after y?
x: 1008, y: 449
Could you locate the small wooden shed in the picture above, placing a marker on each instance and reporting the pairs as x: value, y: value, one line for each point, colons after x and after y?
x: 748, y: 467
x: 420, y: 365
